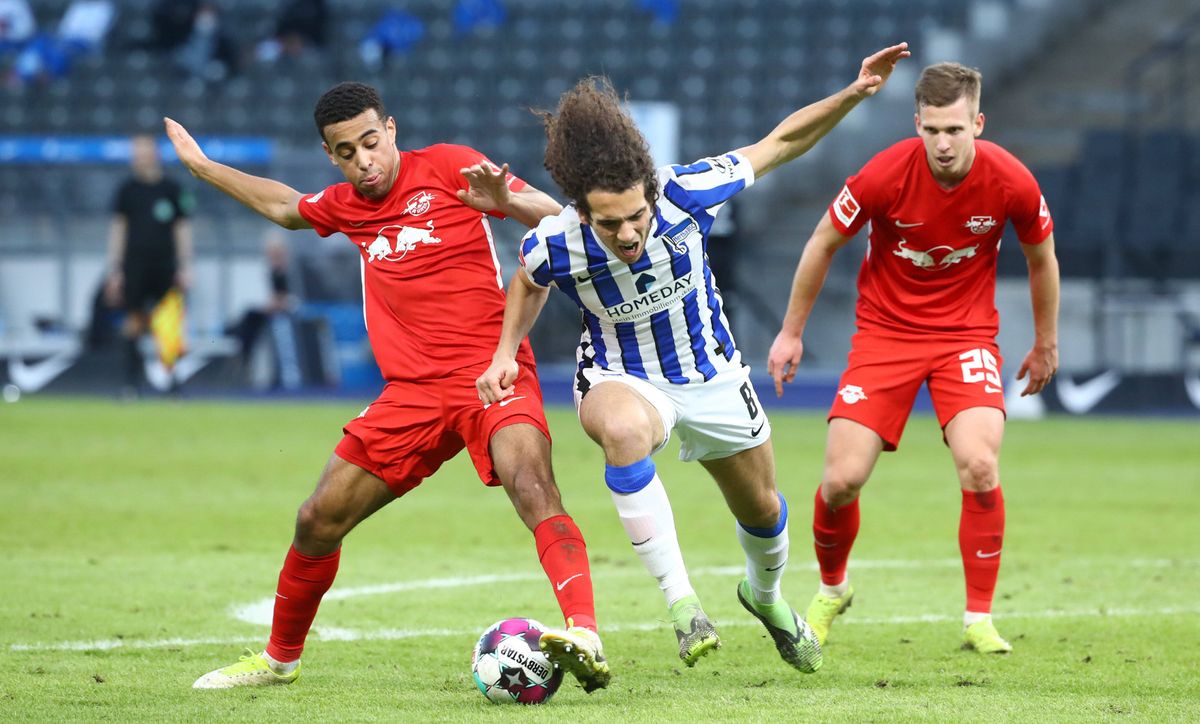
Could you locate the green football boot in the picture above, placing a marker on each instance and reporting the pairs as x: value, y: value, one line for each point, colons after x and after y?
x: 794, y: 639
x: 695, y: 632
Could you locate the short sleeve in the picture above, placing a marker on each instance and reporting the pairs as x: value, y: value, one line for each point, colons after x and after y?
x: 705, y: 185
x: 451, y: 158
x: 847, y: 210
x: 320, y: 211
x: 534, y: 257
x: 1028, y: 211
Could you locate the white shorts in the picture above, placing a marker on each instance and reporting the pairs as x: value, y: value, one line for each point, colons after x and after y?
x: 714, y: 419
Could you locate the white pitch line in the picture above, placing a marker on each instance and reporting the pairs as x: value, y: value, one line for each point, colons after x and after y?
x: 397, y: 634
x: 259, y: 612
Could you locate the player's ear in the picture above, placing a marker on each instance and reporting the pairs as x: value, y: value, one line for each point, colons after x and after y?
x: 390, y: 125
x: 979, y: 121
x: 584, y: 217
x: 917, y: 122
x: 328, y: 152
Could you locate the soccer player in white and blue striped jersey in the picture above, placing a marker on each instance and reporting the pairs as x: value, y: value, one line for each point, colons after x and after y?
x: 656, y: 356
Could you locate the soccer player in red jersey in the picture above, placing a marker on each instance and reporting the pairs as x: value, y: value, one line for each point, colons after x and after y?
x: 937, y: 205
x: 433, y: 304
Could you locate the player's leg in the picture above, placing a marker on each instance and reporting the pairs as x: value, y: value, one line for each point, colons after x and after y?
x: 868, y: 416
x: 851, y: 451
x: 974, y: 436
x: 621, y: 418
x: 520, y: 455
x: 747, y: 481
x: 968, y: 397
x: 345, y: 495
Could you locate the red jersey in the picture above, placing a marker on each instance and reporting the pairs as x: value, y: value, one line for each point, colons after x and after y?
x: 433, y: 292
x: 930, y: 266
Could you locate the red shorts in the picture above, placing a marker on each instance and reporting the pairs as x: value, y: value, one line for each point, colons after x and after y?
x: 884, y: 374
x: 406, y: 434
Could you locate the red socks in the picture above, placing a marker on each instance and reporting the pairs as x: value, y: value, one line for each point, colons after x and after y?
x: 563, y: 555
x: 980, y: 537
x: 302, y: 583
x: 834, y: 532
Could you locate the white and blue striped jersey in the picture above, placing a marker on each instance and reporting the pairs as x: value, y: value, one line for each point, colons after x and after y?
x: 659, y: 318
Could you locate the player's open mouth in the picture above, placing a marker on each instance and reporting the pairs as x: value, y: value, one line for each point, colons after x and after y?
x: 629, y: 250
x: 945, y: 160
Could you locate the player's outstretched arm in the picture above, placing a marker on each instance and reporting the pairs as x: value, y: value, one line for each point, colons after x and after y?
x: 489, y: 191
x: 1042, y: 361
x: 525, y: 302
x: 271, y: 199
x: 801, y: 130
x: 788, y: 347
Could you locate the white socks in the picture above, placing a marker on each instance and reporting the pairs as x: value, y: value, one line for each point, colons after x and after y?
x: 970, y: 617
x: 283, y: 668
x: 765, y: 560
x: 835, y: 591
x: 650, y: 525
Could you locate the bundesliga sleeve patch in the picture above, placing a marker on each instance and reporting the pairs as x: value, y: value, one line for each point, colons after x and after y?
x: 846, y: 207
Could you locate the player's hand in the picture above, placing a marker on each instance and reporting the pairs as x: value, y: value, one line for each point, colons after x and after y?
x: 878, y: 68
x: 784, y: 359
x: 186, y: 147
x: 1040, y: 364
x: 497, y: 381
x: 488, y: 189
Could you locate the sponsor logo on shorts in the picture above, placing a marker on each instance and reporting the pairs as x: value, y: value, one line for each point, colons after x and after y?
x: 851, y: 394
x: 505, y: 402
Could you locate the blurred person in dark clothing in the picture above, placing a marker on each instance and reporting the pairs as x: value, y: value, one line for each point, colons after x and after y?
x: 149, y: 246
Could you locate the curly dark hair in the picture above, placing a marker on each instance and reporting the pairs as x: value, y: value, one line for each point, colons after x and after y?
x: 345, y: 101
x: 593, y: 145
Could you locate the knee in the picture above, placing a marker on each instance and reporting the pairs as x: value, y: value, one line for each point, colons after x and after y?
x: 979, y: 473
x: 841, y: 484
x: 316, y: 527
x: 767, y: 509
x: 624, y: 441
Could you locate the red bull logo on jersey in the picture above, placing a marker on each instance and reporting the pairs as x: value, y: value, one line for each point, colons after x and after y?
x: 980, y: 224
x: 939, y: 257
x: 393, y: 243
x: 419, y: 203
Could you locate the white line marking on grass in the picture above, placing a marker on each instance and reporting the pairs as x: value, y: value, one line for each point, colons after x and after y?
x: 397, y: 634
x: 259, y: 612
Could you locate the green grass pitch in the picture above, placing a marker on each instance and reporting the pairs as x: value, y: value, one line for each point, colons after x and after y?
x: 141, y: 545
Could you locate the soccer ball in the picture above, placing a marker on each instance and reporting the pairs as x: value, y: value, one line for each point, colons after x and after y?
x: 508, y: 664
